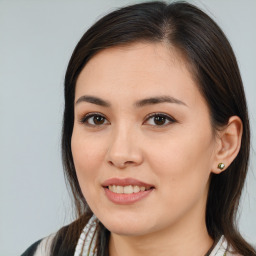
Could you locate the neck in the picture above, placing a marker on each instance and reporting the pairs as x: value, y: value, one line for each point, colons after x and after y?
x: 190, y: 238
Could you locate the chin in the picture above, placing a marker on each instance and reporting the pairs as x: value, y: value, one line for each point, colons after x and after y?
x: 127, y: 226
x: 127, y: 230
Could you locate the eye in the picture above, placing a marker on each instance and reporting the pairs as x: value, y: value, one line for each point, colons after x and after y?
x: 155, y: 119
x: 94, y: 119
x: 159, y: 119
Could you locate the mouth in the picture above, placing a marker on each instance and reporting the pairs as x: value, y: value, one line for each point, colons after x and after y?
x: 130, y: 189
x: 126, y: 191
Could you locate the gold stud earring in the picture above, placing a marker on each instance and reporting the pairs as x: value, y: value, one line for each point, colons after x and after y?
x: 221, y: 166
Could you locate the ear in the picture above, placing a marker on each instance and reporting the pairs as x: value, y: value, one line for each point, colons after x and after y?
x: 228, y: 144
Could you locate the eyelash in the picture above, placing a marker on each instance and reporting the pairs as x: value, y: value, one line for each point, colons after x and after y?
x: 84, y: 119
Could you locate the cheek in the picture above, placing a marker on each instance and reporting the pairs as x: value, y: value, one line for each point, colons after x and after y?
x: 183, y: 164
x: 88, y: 155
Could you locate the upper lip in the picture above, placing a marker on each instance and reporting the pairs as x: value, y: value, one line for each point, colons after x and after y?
x: 125, y: 182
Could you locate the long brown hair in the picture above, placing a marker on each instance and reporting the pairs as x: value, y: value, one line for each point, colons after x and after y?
x: 213, y: 66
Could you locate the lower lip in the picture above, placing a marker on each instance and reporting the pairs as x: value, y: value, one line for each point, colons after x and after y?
x: 126, y: 198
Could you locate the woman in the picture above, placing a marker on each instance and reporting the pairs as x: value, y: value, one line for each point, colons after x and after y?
x: 155, y: 137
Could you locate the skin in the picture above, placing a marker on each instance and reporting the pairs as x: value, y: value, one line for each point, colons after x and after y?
x: 176, y: 157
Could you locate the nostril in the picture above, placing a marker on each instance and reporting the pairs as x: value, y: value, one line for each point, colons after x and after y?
x: 120, y: 164
x: 111, y: 163
x: 129, y: 162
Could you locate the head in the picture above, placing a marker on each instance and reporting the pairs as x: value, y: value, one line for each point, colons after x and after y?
x: 182, y: 40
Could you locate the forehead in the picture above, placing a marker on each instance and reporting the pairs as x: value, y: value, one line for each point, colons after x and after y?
x: 137, y: 70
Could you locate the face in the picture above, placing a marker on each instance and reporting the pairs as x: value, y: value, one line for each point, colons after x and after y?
x: 142, y: 142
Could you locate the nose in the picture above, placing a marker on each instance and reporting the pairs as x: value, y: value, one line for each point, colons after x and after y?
x: 124, y: 149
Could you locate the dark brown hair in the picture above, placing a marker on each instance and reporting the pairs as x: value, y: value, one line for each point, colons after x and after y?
x: 214, y: 67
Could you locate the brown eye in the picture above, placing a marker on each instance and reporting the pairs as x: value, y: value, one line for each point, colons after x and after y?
x: 94, y: 120
x: 98, y: 120
x: 160, y: 120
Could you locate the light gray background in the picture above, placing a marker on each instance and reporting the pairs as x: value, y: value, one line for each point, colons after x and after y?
x: 36, y: 42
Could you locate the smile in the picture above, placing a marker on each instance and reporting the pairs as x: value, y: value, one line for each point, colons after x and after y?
x: 127, y: 189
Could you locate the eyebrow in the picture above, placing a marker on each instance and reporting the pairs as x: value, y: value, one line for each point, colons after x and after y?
x: 140, y: 103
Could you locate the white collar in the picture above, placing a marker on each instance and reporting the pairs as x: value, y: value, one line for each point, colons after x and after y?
x: 87, y: 240
x: 220, y: 248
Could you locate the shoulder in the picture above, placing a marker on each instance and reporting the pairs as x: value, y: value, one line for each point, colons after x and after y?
x: 41, y: 247
x: 62, y: 244
x: 31, y: 249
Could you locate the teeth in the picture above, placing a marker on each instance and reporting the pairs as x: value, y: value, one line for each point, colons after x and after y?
x: 142, y: 188
x: 119, y: 189
x: 136, y: 189
x: 126, y: 189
